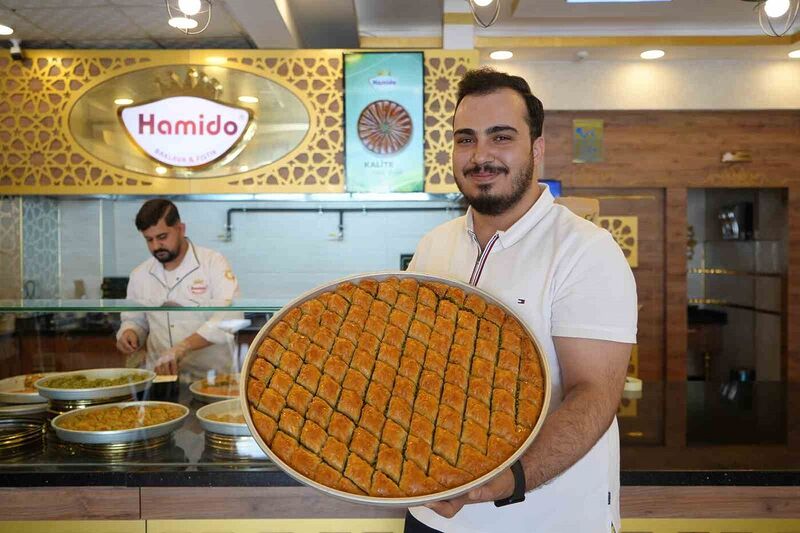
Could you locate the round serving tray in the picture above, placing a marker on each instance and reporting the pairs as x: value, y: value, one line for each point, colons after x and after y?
x: 233, y: 448
x: 59, y: 407
x: 226, y: 407
x: 22, y: 409
x: 252, y: 355
x: 99, y: 392
x: 16, y: 433
x: 206, y: 397
x: 8, y: 386
x: 121, y: 435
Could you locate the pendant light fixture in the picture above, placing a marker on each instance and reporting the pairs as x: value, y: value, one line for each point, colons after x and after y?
x: 492, y: 6
x: 776, y: 17
x: 189, y: 16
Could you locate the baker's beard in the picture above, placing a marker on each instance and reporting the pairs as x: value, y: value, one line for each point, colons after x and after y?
x: 489, y: 204
x: 163, y: 255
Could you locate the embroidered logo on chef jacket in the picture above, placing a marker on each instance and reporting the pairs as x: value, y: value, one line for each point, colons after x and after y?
x: 229, y: 275
x: 199, y: 286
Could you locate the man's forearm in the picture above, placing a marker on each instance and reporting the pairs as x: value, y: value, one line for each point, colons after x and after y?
x: 568, y: 434
x: 195, y: 341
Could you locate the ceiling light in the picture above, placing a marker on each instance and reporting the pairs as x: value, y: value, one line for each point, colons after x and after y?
x: 190, y: 7
x: 776, y: 8
x: 216, y: 60
x: 500, y: 55
x: 474, y: 5
x: 6, y: 30
x: 248, y: 99
x: 652, y: 54
x: 189, y: 16
x: 123, y: 101
x: 182, y: 23
x: 776, y: 17
x: 161, y: 170
x: 795, y: 54
x: 243, y: 168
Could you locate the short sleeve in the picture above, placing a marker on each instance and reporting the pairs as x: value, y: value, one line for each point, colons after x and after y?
x: 595, y: 295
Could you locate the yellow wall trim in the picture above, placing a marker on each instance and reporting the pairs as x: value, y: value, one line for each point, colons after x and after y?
x: 458, y: 18
x: 400, y: 42
x: 663, y: 40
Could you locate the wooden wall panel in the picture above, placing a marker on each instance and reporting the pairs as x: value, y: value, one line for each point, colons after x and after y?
x: 69, y: 503
x: 648, y: 206
x: 710, y: 502
x: 246, y: 502
x: 676, y: 324
x: 679, y: 149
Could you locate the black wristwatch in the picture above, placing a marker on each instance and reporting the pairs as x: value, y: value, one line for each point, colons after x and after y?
x: 519, y: 487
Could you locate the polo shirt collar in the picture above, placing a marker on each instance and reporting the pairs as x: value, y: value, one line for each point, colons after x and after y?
x: 522, y: 226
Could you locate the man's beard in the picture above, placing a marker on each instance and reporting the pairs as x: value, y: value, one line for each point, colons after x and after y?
x: 492, y: 205
x: 165, y: 256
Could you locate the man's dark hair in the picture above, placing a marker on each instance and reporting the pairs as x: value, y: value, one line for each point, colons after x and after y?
x: 486, y: 80
x: 154, y: 210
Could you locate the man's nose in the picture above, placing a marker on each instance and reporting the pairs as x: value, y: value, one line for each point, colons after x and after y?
x: 481, y: 153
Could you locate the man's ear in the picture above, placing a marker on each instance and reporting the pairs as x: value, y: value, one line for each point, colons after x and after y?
x: 538, y: 148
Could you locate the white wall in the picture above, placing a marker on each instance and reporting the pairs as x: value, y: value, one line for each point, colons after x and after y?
x: 81, y: 246
x: 280, y: 255
x: 689, y: 84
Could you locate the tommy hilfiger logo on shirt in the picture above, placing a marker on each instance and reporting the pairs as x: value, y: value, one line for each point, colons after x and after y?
x: 520, y: 300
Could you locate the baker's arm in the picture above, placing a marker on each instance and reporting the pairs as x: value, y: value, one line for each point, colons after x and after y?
x: 133, y: 329
x: 593, y: 375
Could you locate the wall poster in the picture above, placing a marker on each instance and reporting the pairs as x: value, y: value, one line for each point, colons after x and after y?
x: 384, y: 138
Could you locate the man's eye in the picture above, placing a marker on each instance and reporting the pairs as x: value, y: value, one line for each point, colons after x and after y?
x: 463, y: 140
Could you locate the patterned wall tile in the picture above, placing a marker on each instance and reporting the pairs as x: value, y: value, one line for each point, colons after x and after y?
x: 40, y: 242
x: 10, y: 253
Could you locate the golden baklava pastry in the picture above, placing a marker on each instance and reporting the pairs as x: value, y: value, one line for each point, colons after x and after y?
x: 395, y: 388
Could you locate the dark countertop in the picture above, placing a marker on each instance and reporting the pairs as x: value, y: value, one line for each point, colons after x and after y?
x: 676, y: 434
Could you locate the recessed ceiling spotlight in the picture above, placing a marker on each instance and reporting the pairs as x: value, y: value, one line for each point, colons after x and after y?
x: 501, y: 55
x: 161, y: 170
x: 6, y: 30
x: 123, y: 101
x: 482, y: 3
x: 652, y: 54
x: 795, y: 54
x: 216, y: 60
x: 189, y: 7
x: 248, y: 99
x: 183, y: 23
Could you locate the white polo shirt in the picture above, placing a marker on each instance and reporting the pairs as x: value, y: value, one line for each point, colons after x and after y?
x: 564, y: 277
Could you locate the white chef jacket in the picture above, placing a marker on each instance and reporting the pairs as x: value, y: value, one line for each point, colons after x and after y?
x: 204, y: 278
x: 564, y: 277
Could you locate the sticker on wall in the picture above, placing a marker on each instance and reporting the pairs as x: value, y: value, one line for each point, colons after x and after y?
x: 384, y: 122
x: 625, y: 231
x: 587, y: 141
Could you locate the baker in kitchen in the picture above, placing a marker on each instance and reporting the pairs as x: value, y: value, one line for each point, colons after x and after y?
x: 180, y: 273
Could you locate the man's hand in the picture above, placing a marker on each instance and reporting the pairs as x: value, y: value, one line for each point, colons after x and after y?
x: 128, y: 342
x: 498, y: 488
x: 167, y: 363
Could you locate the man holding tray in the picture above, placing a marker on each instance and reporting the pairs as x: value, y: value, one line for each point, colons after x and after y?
x: 182, y: 274
x: 570, y: 283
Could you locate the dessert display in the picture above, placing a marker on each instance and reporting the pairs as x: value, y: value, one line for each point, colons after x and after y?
x: 228, y: 419
x: 80, y: 381
x: 223, y: 418
x: 118, y: 423
x: 20, y: 389
x: 395, y: 387
x: 384, y: 127
x: 219, y: 387
x: 115, y: 418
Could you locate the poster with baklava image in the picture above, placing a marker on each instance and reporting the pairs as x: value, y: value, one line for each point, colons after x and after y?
x: 383, y: 122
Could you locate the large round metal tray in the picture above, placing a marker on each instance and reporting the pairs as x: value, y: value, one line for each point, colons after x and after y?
x: 207, y: 397
x: 99, y: 392
x: 252, y: 354
x: 22, y: 409
x: 121, y: 435
x: 8, y: 386
x: 225, y: 407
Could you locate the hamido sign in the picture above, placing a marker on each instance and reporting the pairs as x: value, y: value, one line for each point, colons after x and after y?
x: 185, y: 131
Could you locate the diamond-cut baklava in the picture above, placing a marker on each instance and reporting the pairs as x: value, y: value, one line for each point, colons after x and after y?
x: 395, y: 388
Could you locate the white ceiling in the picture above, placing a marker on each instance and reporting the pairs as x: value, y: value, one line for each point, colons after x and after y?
x: 339, y: 23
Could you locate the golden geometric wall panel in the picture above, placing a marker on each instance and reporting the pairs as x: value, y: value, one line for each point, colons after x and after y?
x: 625, y: 231
x: 443, y: 70
x: 39, y: 155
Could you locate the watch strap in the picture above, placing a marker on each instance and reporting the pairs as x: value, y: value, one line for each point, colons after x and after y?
x: 519, y: 486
